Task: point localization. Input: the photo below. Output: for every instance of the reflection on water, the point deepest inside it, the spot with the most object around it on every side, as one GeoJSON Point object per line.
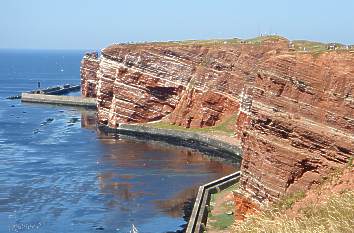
{"type": "Point", "coordinates": [59, 174]}
{"type": "Point", "coordinates": [175, 206]}
{"type": "Point", "coordinates": [167, 177]}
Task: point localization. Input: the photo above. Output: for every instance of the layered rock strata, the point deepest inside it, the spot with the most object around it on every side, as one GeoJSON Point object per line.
{"type": "Point", "coordinates": [191, 85]}
{"type": "Point", "coordinates": [295, 109]}
{"type": "Point", "coordinates": [88, 72]}
{"type": "Point", "coordinates": [300, 123]}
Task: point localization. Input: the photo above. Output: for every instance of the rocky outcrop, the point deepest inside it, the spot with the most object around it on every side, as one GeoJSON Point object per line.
{"type": "Point", "coordinates": [295, 109]}
{"type": "Point", "coordinates": [243, 206]}
{"type": "Point", "coordinates": [300, 122]}
{"type": "Point", "coordinates": [88, 71]}
{"type": "Point", "coordinates": [199, 109]}
{"type": "Point", "coordinates": [190, 85]}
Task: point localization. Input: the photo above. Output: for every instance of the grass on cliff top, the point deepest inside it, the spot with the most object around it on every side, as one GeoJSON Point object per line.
{"type": "Point", "coordinates": [256, 40]}
{"type": "Point", "coordinates": [252, 41]}
{"type": "Point", "coordinates": [314, 47]}
{"type": "Point", "coordinates": [304, 46]}
{"type": "Point", "coordinates": [223, 128]}
{"type": "Point", "coordinates": [261, 39]}
{"type": "Point", "coordinates": [309, 46]}
{"type": "Point", "coordinates": [334, 216]}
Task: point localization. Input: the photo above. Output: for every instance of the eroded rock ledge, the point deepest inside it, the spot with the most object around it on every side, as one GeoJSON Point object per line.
{"type": "Point", "coordinates": [295, 109]}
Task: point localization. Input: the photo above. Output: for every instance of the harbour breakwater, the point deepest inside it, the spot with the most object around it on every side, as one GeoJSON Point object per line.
{"type": "Point", "coordinates": [61, 100]}
{"type": "Point", "coordinates": [57, 90]}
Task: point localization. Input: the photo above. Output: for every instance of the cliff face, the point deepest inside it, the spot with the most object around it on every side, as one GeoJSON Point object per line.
{"type": "Point", "coordinates": [88, 72]}
{"type": "Point", "coordinates": [295, 110]}
{"type": "Point", "coordinates": [300, 123]}
{"type": "Point", "coordinates": [191, 85]}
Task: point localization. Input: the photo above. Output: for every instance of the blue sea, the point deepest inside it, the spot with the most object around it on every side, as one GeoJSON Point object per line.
{"type": "Point", "coordinates": [58, 173]}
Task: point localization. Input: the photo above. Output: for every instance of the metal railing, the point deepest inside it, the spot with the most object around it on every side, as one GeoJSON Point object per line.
{"type": "Point", "coordinates": [198, 219]}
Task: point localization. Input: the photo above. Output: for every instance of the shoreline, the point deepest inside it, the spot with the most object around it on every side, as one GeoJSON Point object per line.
{"type": "Point", "coordinates": [203, 143]}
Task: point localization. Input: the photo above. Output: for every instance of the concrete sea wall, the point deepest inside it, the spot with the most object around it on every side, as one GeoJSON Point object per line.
{"type": "Point", "coordinates": [197, 141]}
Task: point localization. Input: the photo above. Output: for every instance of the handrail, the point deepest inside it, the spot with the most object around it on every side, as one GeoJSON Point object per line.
{"type": "Point", "coordinates": [197, 221]}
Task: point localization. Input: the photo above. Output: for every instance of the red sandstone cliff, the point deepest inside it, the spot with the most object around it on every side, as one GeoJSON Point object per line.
{"type": "Point", "coordinates": [88, 72]}
{"type": "Point", "coordinates": [193, 85]}
{"type": "Point", "coordinates": [301, 122]}
{"type": "Point", "coordinates": [296, 109]}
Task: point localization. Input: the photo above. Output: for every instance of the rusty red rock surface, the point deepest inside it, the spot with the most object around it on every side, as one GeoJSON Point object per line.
{"type": "Point", "coordinates": [295, 109]}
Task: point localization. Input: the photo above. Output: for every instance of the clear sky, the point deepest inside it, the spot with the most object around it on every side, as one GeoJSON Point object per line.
{"type": "Point", "coordinates": [91, 24]}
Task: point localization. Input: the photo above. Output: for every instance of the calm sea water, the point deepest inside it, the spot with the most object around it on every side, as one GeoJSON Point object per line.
{"type": "Point", "coordinates": [59, 174]}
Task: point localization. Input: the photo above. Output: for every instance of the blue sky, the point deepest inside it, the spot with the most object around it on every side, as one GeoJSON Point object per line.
{"type": "Point", "coordinates": [91, 24]}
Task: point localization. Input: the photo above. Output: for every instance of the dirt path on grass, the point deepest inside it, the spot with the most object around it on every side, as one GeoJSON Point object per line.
{"type": "Point", "coordinates": [221, 216]}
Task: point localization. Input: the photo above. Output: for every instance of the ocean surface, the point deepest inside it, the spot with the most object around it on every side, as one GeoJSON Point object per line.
{"type": "Point", "coordinates": [59, 174]}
